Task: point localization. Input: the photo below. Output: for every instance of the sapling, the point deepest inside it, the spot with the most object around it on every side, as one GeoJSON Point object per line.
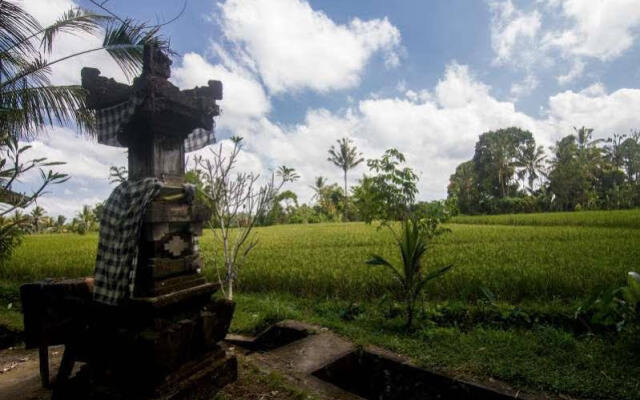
{"type": "Point", "coordinates": [237, 201]}
{"type": "Point", "coordinates": [412, 240]}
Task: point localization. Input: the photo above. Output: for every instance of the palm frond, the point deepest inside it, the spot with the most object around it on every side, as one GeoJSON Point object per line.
{"type": "Point", "coordinates": [73, 21]}
{"type": "Point", "coordinates": [33, 73]}
{"type": "Point", "coordinates": [125, 43]}
{"type": "Point", "coordinates": [378, 260]}
{"type": "Point", "coordinates": [16, 27]}
{"type": "Point", "coordinates": [34, 107]}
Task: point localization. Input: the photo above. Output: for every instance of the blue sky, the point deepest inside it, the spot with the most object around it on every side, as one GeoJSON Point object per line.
{"type": "Point", "coordinates": [426, 77]}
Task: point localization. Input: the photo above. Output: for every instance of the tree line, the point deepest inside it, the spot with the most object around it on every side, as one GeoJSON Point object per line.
{"type": "Point", "coordinates": [510, 173]}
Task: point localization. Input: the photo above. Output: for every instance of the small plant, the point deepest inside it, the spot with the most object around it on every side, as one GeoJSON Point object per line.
{"type": "Point", "coordinates": [619, 307]}
{"type": "Point", "coordinates": [413, 242]}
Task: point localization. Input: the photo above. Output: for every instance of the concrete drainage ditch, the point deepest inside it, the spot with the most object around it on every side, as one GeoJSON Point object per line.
{"type": "Point", "coordinates": [334, 368]}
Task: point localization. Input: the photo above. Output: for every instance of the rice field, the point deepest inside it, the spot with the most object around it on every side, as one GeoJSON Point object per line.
{"type": "Point", "coordinates": [560, 257]}
{"type": "Point", "coordinates": [541, 263]}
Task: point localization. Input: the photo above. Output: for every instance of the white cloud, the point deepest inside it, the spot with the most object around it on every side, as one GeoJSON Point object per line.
{"type": "Point", "coordinates": [294, 47]}
{"type": "Point", "coordinates": [511, 29]}
{"type": "Point", "coordinates": [524, 87]}
{"type": "Point", "coordinates": [83, 157]}
{"type": "Point", "coordinates": [563, 33]}
{"type": "Point", "coordinates": [575, 72]}
{"type": "Point", "coordinates": [435, 132]}
{"type": "Point", "coordinates": [244, 98]}
{"type": "Point", "coordinates": [598, 29]}
{"type": "Point", "coordinates": [593, 107]}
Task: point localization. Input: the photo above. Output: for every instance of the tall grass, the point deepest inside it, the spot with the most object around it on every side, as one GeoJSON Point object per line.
{"type": "Point", "coordinates": [613, 219]}
{"type": "Point", "coordinates": [517, 263]}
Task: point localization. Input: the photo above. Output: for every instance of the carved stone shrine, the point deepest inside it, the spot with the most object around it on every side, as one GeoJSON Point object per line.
{"type": "Point", "coordinates": [162, 341]}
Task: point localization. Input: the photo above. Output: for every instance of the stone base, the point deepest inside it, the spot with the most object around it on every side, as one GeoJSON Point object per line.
{"type": "Point", "coordinates": [195, 380]}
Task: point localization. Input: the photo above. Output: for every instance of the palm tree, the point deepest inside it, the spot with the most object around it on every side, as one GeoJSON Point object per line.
{"type": "Point", "coordinates": [85, 219]}
{"type": "Point", "coordinates": [589, 154]}
{"type": "Point", "coordinates": [287, 174]}
{"type": "Point", "coordinates": [318, 186]}
{"type": "Point", "coordinates": [59, 224]}
{"type": "Point", "coordinates": [531, 160]}
{"type": "Point", "coordinates": [37, 215]}
{"type": "Point", "coordinates": [346, 157]}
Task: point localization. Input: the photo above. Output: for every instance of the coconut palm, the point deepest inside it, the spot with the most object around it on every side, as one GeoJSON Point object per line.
{"type": "Point", "coordinates": [531, 161]}
{"type": "Point", "coordinates": [346, 157]}
{"type": "Point", "coordinates": [85, 219]}
{"type": "Point", "coordinates": [318, 186]}
{"type": "Point", "coordinates": [58, 225]}
{"type": "Point", "coordinates": [37, 217]}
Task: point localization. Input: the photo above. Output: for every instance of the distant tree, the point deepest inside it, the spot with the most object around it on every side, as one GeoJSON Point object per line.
{"type": "Point", "coordinates": [37, 217]}
{"type": "Point", "coordinates": [463, 188]}
{"type": "Point", "coordinates": [58, 225]}
{"type": "Point", "coordinates": [496, 157]}
{"type": "Point", "coordinates": [318, 185]}
{"type": "Point", "coordinates": [346, 157]}
{"type": "Point", "coordinates": [531, 163]}
{"type": "Point", "coordinates": [98, 210]}
{"type": "Point", "coordinates": [389, 192]}
{"type": "Point", "coordinates": [569, 180]}
{"type": "Point", "coordinates": [629, 151]}
{"type": "Point", "coordinates": [84, 221]}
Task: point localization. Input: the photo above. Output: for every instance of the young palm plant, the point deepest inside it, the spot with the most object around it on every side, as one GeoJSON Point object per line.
{"type": "Point", "coordinates": [412, 241]}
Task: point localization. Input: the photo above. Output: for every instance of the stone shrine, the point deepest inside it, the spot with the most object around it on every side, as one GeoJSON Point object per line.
{"type": "Point", "coordinates": [161, 342]}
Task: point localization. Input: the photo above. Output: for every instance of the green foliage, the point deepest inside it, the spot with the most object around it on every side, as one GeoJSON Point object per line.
{"type": "Point", "coordinates": [496, 158]}
{"type": "Point", "coordinates": [438, 210]}
{"type": "Point", "coordinates": [389, 192]}
{"type": "Point", "coordinates": [12, 167]}
{"type": "Point", "coordinates": [412, 242]}
{"type": "Point", "coordinates": [582, 174]}
{"type": "Point", "coordinates": [618, 307]}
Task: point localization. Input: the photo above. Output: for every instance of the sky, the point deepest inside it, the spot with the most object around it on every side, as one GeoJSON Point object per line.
{"type": "Point", "coordinates": [425, 77]}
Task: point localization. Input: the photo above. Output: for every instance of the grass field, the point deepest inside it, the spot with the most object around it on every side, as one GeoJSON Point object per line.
{"type": "Point", "coordinates": [541, 266]}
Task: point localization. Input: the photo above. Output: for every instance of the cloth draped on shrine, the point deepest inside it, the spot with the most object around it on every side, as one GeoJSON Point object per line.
{"type": "Point", "coordinates": [120, 226]}
{"type": "Point", "coordinates": [109, 121]}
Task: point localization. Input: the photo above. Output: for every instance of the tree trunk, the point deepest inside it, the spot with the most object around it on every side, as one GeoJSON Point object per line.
{"type": "Point", "coordinates": [409, 315]}
{"type": "Point", "coordinates": [346, 199]}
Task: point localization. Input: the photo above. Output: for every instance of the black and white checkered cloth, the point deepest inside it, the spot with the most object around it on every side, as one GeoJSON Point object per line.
{"type": "Point", "coordinates": [109, 121]}
{"type": "Point", "coordinates": [118, 244]}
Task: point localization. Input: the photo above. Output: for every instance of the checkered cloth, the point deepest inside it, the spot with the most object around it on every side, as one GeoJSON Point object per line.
{"type": "Point", "coordinates": [118, 244]}
{"type": "Point", "coordinates": [109, 121]}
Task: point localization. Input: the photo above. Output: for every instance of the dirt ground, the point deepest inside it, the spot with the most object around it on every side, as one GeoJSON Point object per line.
{"type": "Point", "coordinates": [20, 379]}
